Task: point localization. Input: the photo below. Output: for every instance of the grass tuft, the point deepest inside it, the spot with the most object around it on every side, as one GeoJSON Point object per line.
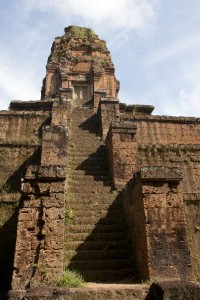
{"type": "Point", "coordinates": [70, 278]}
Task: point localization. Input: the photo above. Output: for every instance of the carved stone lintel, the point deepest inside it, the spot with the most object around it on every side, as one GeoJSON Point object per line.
{"type": "Point", "coordinates": [51, 68]}
{"type": "Point", "coordinates": [125, 128]}
{"type": "Point", "coordinates": [161, 174]}
{"type": "Point", "coordinates": [46, 172]}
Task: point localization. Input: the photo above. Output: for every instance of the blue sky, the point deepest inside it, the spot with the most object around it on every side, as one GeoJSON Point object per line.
{"type": "Point", "coordinates": [155, 46]}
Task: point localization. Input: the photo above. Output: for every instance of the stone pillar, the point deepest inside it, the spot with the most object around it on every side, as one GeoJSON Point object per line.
{"type": "Point", "coordinates": [66, 93]}
{"type": "Point", "coordinates": [61, 111]}
{"type": "Point", "coordinates": [54, 145]}
{"type": "Point", "coordinates": [51, 84]}
{"type": "Point", "coordinates": [108, 112]}
{"type": "Point", "coordinates": [40, 231]}
{"type": "Point", "coordinates": [98, 95]}
{"type": "Point", "coordinates": [155, 214]}
{"type": "Point", "coordinates": [122, 152]}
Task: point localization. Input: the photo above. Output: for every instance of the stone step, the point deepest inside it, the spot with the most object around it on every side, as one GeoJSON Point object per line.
{"type": "Point", "coordinates": [85, 123]}
{"type": "Point", "coordinates": [89, 131]}
{"type": "Point", "coordinates": [92, 144]}
{"type": "Point", "coordinates": [108, 276]}
{"type": "Point", "coordinates": [97, 255]}
{"type": "Point", "coordinates": [87, 212]}
{"type": "Point", "coordinates": [108, 264]}
{"type": "Point", "coordinates": [88, 165]}
{"type": "Point", "coordinates": [78, 132]}
{"type": "Point", "coordinates": [92, 159]}
{"type": "Point", "coordinates": [90, 172]}
{"type": "Point", "coordinates": [92, 188]}
{"type": "Point", "coordinates": [77, 206]}
{"type": "Point", "coordinates": [88, 149]}
{"type": "Point", "coordinates": [87, 202]}
{"type": "Point", "coordinates": [107, 220]}
{"type": "Point", "coordinates": [98, 228]}
{"type": "Point", "coordinates": [87, 182]}
{"type": "Point", "coordinates": [90, 182]}
{"type": "Point", "coordinates": [83, 156]}
{"type": "Point", "coordinates": [89, 178]}
{"type": "Point", "coordinates": [86, 111]}
{"type": "Point", "coordinates": [85, 145]}
{"type": "Point", "coordinates": [92, 132]}
{"type": "Point", "coordinates": [108, 236]}
{"type": "Point", "coordinates": [96, 245]}
{"type": "Point", "coordinates": [85, 117]}
{"type": "Point", "coordinates": [82, 153]}
{"type": "Point", "coordinates": [84, 198]}
{"type": "Point", "coordinates": [82, 136]}
{"type": "Point", "coordinates": [118, 290]}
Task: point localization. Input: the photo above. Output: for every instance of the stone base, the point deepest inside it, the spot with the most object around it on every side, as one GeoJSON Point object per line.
{"type": "Point", "coordinates": [16, 295]}
{"type": "Point", "coordinates": [91, 291]}
{"type": "Point", "coordinates": [174, 290]}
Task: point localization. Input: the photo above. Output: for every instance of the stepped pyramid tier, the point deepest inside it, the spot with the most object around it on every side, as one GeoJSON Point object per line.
{"type": "Point", "coordinates": [94, 185]}
{"type": "Point", "coordinates": [97, 241]}
{"type": "Point", "coordinates": [81, 63]}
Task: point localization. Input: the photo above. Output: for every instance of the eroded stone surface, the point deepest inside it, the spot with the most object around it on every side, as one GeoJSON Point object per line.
{"type": "Point", "coordinates": [161, 201]}
{"type": "Point", "coordinates": [80, 61]}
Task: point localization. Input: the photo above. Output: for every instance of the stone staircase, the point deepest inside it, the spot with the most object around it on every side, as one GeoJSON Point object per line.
{"type": "Point", "coordinates": [97, 243]}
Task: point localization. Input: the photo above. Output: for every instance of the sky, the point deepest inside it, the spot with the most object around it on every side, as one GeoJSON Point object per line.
{"type": "Point", "coordinates": [154, 44]}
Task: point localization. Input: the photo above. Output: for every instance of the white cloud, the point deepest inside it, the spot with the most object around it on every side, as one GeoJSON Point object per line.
{"type": "Point", "coordinates": [171, 50]}
{"type": "Point", "coordinates": [107, 14]}
{"type": "Point", "coordinates": [189, 101]}
{"type": "Point", "coordinates": [14, 84]}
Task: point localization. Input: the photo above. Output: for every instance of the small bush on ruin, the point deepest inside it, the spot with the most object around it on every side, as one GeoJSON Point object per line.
{"type": "Point", "coordinates": [70, 278]}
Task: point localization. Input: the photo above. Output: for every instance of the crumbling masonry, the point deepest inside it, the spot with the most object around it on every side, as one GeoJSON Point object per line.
{"type": "Point", "coordinates": [92, 184]}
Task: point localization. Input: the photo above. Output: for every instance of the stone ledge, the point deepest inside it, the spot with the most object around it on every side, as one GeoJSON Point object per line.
{"type": "Point", "coordinates": [31, 105]}
{"type": "Point", "coordinates": [19, 145]}
{"type": "Point", "coordinates": [163, 119]}
{"type": "Point", "coordinates": [187, 197]}
{"type": "Point", "coordinates": [109, 101]}
{"type": "Point", "coordinates": [125, 127]}
{"type": "Point", "coordinates": [90, 292]}
{"type": "Point", "coordinates": [174, 289]}
{"type": "Point", "coordinates": [171, 147]}
{"type": "Point", "coordinates": [101, 92]}
{"type": "Point", "coordinates": [55, 129]}
{"type": "Point", "coordinates": [10, 197]}
{"type": "Point", "coordinates": [46, 173]}
{"type": "Point", "coordinates": [24, 114]}
{"type": "Point", "coordinates": [16, 295]}
{"type": "Point", "coordinates": [136, 108]}
{"type": "Point", "coordinates": [161, 174]}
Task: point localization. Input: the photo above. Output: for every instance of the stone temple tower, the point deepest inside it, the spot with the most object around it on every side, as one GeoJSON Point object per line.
{"type": "Point", "coordinates": [94, 185]}
{"type": "Point", "coordinates": [80, 64]}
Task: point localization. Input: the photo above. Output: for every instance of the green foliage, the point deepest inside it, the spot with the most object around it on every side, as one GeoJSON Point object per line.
{"type": "Point", "coordinates": [78, 31]}
{"type": "Point", "coordinates": [70, 278]}
{"type": "Point", "coordinates": [6, 189]}
{"type": "Point", "coordinates": [115, 192]}
{"type": "Point", "coordinates": [69, 214]}
{"type": "Point", "coordinates": [82, 32]}
{"type": "Point", "coordinates": [35, 266]}
{"type": "Point", "coordinates": [92, 34]}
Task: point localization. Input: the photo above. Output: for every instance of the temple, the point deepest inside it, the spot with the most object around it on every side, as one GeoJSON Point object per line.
{"type": "Point", "coordinates": [94, 185]}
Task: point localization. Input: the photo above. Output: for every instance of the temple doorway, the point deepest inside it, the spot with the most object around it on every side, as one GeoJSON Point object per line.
{"type": "Point", "coordinates": [81, 93]}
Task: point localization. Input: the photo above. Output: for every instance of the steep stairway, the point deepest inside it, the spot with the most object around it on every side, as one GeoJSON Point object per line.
{"type": "Point", "coordinates": [97, 243]}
